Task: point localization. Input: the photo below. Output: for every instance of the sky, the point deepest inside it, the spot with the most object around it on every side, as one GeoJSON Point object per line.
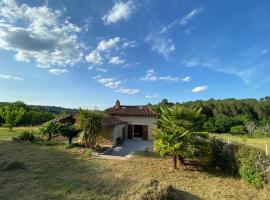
{"type": "Point", "coordinates": [90, 53]}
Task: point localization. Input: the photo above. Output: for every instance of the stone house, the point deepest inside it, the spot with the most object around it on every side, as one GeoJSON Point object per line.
{"type": "Point", "coordinates": [131, 122]}
{"type": "Point", "coordinates": [123, 122]}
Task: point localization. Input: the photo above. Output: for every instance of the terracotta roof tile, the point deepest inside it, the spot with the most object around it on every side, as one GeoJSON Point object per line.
{"type": "Point", "coordinates": [111, 121]}
{"type": "Point", "coordinates": [131, 111]}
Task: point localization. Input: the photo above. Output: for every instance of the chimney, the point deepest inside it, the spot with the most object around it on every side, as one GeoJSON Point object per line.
{"type": "Point", "coordinates": [117, 104]}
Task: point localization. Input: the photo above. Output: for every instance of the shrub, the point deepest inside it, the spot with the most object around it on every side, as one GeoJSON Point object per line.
{"type": "Point", "coordinates": [50, 129]}
{"type": "Point", "coordinates": [249, 166]}
{"type": "Point", "coordinates": [25, 136]}
{"type": "Point", "coordinates": [250, 163]}
{"type": "Point", "coordinates": [224, 156]}
{"type": "Point", "coordinates": [88, 152]}
{"type": "Point", "coordinates": [69, 131]}
{"type": "Point", "coordinates": [238, 130]}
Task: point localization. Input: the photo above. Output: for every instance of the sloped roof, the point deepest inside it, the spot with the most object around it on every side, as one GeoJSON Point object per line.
{"type": "Point", "coordinates": [122, 110]}
{"type": "Point", "coordinates": [111, 121]}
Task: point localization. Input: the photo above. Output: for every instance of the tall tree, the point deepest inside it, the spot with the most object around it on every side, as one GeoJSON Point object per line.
{"type": "Point", "coordinates": [12, 115]}
{"type": "Point", "coordinates": [176, 135]}
{"type": "Point", "coordinates": [90, 123]}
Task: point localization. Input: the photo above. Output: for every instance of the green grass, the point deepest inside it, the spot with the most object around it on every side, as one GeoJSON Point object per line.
{"type": "Point", "coordinates": [5, 134]}
{"type": "Point", "coordinates": [258, 142]}
{"type": "Point", "coordinates": [54, 172]}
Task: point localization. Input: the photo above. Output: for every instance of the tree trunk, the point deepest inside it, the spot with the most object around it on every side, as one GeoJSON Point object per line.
{"type": "Point", "coordinates": [174, 162]}
{"type": "Point", "coordinates": [181, 160]}
{"type": "Point", "coordinates": [49, 136]}
{"type": "Point", "coordinates": [10, 128]}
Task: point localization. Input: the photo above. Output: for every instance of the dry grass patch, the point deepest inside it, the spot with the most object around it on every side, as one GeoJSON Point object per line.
{"type": "Point", "coordinates": [53, 172]}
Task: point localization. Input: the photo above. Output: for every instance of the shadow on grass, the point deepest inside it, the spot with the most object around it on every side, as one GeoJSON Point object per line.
{"type": "Point", "coordinates": [51, 172]}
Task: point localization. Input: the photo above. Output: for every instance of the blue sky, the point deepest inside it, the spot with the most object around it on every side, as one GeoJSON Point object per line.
{"type": "Point", "coordinates": [90, 53]}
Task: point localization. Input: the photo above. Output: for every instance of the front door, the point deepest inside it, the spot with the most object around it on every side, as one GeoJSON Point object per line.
{"type": "Point", "coordinates": [145, 133]}
{"type": "Point", "coordinates": [130, 131]}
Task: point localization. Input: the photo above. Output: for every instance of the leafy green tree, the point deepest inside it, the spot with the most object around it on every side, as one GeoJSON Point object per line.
{"type": "Point", "coordinates": [68, 130]}
{"type": "Point", "coordinates": [50, 129]}
{"type": "Point", "coordinates": [176, 135]}
{"type": "Point", "coordinates": [90, 123]}
{"type": "Point", "coordinates": [12, 115]}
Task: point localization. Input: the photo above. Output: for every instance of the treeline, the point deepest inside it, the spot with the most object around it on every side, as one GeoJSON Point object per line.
{"type": "Point", "coordinates": [229, 115]}
{"type": "Point", "coordinates": [36, 114]}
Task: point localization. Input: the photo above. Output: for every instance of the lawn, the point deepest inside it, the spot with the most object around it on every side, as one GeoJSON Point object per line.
{"type": "Point", "coordinates": [54, 172]}
{"type": "Point", "coordinates": [258, 142]}
{"type": "Point", "coordinates": [5, 134]}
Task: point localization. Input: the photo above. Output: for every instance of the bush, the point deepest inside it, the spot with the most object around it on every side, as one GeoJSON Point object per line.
{"type": "Point", "coordinates": [250, 168]}
{"type": "Point", "coordinates": [238, 130]}
{"type": "Point", "coordinates": [68, 130]}
{"type": "Point", "coordinates": [250, 163]}
{"type": "Point", "coordinates": [224, 156]}
{"type": "Point", "coordinates": [25, 136]}
{"type": "Point", "coordinates": [88, 152]}
{"type": "Point", "coordinates": [50, 129]}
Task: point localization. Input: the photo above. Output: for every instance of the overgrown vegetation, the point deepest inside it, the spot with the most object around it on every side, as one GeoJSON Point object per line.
{"type": "Point", "coordinates": [250, 163]}
{"type": "Point", "coordinates": [221, 115]}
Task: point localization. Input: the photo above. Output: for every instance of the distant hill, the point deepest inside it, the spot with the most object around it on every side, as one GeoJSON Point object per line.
{"type": "Point", "coordinates": [55, 110]}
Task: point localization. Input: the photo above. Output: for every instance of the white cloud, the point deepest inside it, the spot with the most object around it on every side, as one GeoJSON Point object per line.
{"type": "Point", "coordinates": [39, 34]}
{"type": "Point", "coordinates": [161, 44]}
{"type": "Point", "coordinates": [191, 63]}
{"type": "Point", "coordinates": [200, 88]}
{"type": "Point", "coordinates": [265, 51]}
{"type": "Point", "coordinates": [110, 82]}
{"type": "Point", "coordinates": [116, 60]}
{"type": "Point", "coordinates": [104, 51]}
{"type": "Point", "coordinates": [120, 11]}
{"type": "Point", "coordinates": [130, 44]}
{"type": "Point", "coordinates": [94, 58]}
{"type": "Point", "coordinates": [151, 96]}
{"type": "Point", "coordinates": [108, 44]}
{"type": "Point", "coordinates": [187, 18]}
{"type": "Point", "coordinates": [100, 69]}
{"type": "Point", "coordinates": [128, 91]}
{"type": "Point", "coordinates": [6, 76]}
{"type": "Point", "coordinates": [151, 76]}
{"type": "Point", "coordinates": [186, 79]}
{"type": "Point", "coordinates": [168, 78]}
{"type": "Point", "coordinates": [58, 71]}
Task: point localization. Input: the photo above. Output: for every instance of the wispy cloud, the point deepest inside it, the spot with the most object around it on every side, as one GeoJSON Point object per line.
{"type": "Point", "coordinates": [186, 79]}
{"type": "Point", "coordinates": [128, 91]}
{"type": "Point", "coordinates": [58, 71]}
{"type": "Point", "coordinates": [153, 96]}
{"type": "Point", "coordinates": [105, 50]}
{"type": "Point", "coordinates": [116, 60]}
{"type": "Point", "coordinates": [160, 44]}
{"type": "Point", "coordinates": [43, 37]}
{"type": "Point", "coordinates": [152, 76]}
{"type": "Point", "coordinates": [116, 85]}
{"type": "Point", "coordinates": [199, 88]}
{"type": "Point", "coordinates": [110, 82]}
{"type": "Point", "coordinates": [6, 76]}
{"type": "Point", "coordinates": [188, 17]}
{"type": "Point", "coordinates": [120, 11]}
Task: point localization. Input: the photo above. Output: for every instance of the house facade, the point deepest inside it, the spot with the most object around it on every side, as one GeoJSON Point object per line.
{"type": "Point", "coordinates": [138, 121]}
{"type": "Point", "coordinates": [123, 122]}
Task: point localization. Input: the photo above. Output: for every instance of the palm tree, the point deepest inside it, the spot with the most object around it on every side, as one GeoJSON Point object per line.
{"type": "Point", "coordinates": [176, 135]}
{"type": "Point", "coordinates": [90, 123]}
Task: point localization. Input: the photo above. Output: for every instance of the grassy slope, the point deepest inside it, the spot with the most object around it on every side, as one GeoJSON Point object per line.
{"type": "Point", "coordinates": [257, 142]}
{"type": "Point", "coordinates": [53, 172]}
{"type": "Point", "coordinates": [5, 134]}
